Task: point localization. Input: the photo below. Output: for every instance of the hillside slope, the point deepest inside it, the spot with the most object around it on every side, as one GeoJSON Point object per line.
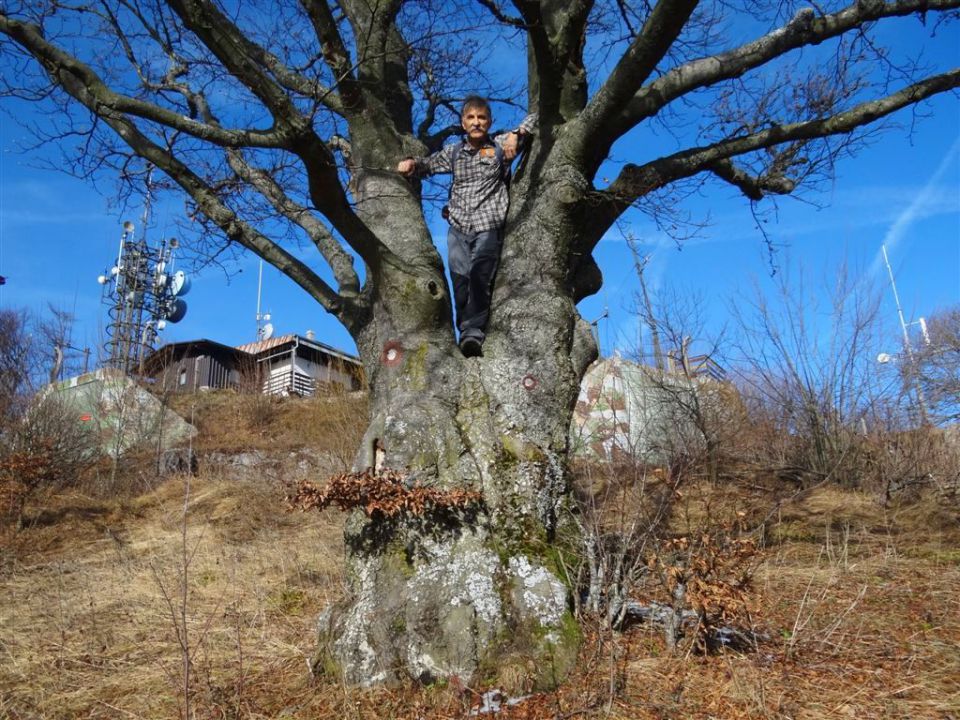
{"type": "Point", "coordinates": [856, 606]}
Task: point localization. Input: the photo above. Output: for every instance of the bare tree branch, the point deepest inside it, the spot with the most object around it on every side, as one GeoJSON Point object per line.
{"type": "Point", "coordinates": [804, 29]}
{"type": "Point", "coordinates": [232, 226]}
{"type": "Point", "coordinates": [241, 57]}
{"type": "Point", "coordinates": [68, 70]}
{"type": "Point", "coordinates": [663, 26]}
{"type": "Point", "coordinates": [634, 181]}
{"type": "Point", "coordinates": [500, 15]}
{"type": "Point", "coordinates": [340, 262]}
{"type": "Point", "coordinates": [334, 50]}
{"type": "Point", "coordinates": [753, 187]}
{"type": "Point", "coordinates": [85, 87]}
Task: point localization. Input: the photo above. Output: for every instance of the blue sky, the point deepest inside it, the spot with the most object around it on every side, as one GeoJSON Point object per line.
{"type": "Point", "coordinates": [903, 192]}
{"type": "Point", "coordinates": [57, 234]}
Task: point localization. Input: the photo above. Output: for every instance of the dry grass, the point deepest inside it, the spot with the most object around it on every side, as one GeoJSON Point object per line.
{"type": "Point", "coordinates": [858, 606]}
{"type": "Point", "coordinates": [232, 422]}
{"type": "Point", "coordinates": [87, 629]}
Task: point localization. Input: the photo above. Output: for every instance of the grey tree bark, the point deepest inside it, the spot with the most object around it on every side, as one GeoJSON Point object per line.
{"type": "Point", "coordinates": [286, 119]}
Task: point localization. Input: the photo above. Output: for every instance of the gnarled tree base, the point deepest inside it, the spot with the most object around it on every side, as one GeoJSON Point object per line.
{"type": "Point", "coordinates": [434, 599]}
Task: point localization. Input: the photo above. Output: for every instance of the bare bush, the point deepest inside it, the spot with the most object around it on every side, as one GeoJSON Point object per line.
{"type": "Point", "coordinates": [938, 365]}
{"type": "Point", "coordinates": [698, 411]}
{"type": "Point", "coordinates": [645, 557]}
{"type": "Point", "coordinates": [805, 368]}
{"type": "Point", "coordinates": [620, 511]}
{"type": "Point", "coordinates": [48, 447]}
{"type": "Point", "coordinates": [18, 363]}
{"type": "Point", "coordinates": [900, 464]}
{"type": "Point", "coordinates": [42, 443]}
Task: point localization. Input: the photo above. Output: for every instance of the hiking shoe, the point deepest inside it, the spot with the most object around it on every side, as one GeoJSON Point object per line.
{"type": "Point", "coordinates": [471, 347]}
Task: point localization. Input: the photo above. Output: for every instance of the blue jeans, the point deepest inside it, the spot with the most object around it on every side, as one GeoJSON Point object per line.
{"type": "Point", "coordinates": [473, 261]}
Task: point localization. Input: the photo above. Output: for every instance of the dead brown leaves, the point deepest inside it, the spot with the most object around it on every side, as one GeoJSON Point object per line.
{"type": "Point", "coordinates": [21, 473]}
{"type": "Point", "coordinates": [387, 493]}
{"type": "Point", "coordinates": [715, 569]}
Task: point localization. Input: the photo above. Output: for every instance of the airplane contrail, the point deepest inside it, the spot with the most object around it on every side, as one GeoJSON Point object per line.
{"type": "Point", "coordinates": [898, 229]}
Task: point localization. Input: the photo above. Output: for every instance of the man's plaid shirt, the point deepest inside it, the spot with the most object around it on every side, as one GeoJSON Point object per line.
{"type": "Point", "coordinates": [478, 194]}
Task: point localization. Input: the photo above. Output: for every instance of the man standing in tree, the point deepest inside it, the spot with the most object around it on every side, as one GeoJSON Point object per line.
{"type": "Point", "coordinates": [477, 211]}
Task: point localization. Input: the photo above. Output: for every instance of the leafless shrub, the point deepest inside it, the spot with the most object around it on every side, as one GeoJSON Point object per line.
{"type": "Point", "coordinates": [18, 363]}
{"type": "Point", "coordinates": [620, 511]}
{"type": "Point", "coordinates": [938, 365]}
{"type": "Point", "coordinates": [644, 557]}
{"type": "Point", "coordinates": [819, 407]}
{"type": "Point", "coordinates": [43, 444]}
{"type": "Point", "coordinates": [698, 412]}
{"type": "Point", "coordinates": [48, 447]}
{"type": "Point", "coordinates": [258, 409]}
{"type": "Point", "coordinates": [805, 367]}
{"type": "Point", "coordinates": [901, 464]}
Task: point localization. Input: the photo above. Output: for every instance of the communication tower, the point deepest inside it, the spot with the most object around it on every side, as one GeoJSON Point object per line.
{"type": "Point", "coordinates": [143, 293]}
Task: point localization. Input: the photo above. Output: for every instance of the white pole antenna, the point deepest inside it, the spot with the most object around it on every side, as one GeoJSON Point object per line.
{"type": "Point", "coordinates": [921, 402]}
{"type": "Point", "coordinates": [147, 200]}
{"type": "Point", "coordinates": [259, 288]}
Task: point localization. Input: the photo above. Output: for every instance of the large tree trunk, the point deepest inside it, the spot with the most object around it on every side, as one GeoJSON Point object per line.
{"type": "Point", "coordinates": [483, 593]}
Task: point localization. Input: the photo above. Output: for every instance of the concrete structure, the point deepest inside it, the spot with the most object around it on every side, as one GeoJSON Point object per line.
{"type": "Point", "coordinates": [121, 414]}
{"type": "Point", "coordinates": [626, 410]}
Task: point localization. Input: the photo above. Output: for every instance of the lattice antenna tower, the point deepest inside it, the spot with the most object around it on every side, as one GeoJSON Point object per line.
{"type": "Point", "coordinates": [142, 292]}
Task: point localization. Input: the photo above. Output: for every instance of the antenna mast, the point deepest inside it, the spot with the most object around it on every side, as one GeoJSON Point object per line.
{"type": "Point", "coordinates": [908, 349]}
{"type": "Point", "coordinates": [264, 332]}
{"type": "Point", "coordinates": [141, 293]}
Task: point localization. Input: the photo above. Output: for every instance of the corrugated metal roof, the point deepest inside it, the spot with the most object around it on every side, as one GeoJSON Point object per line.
{"type": "Point", "coordinates": [263, 345]}
{"type": "Point", "coordinates": [255, 348]}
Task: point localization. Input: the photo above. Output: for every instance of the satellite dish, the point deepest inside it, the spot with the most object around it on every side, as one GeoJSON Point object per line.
{"type": "Point", "coordinates": [128, 226]}
{"type": "Point", "coordinates": [174, 243]}
{"type": "Point", "coordinates": [179, 283]}
{"type": "Point", "coordinates": [178, 308]}
{"type": "Point", "coordinates": [102, 279]}
{"type": "Point", "coordinates": [267, 331]}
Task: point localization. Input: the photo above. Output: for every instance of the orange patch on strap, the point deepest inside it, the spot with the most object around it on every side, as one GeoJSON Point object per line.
{"type": "Point", "coordinates": [488, 152]}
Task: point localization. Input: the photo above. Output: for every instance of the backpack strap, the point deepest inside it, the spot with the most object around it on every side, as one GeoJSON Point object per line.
{"type": "Point", "coordinates": [504, 166]}
{"type": "Point", "coordinates": [454, 156]}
